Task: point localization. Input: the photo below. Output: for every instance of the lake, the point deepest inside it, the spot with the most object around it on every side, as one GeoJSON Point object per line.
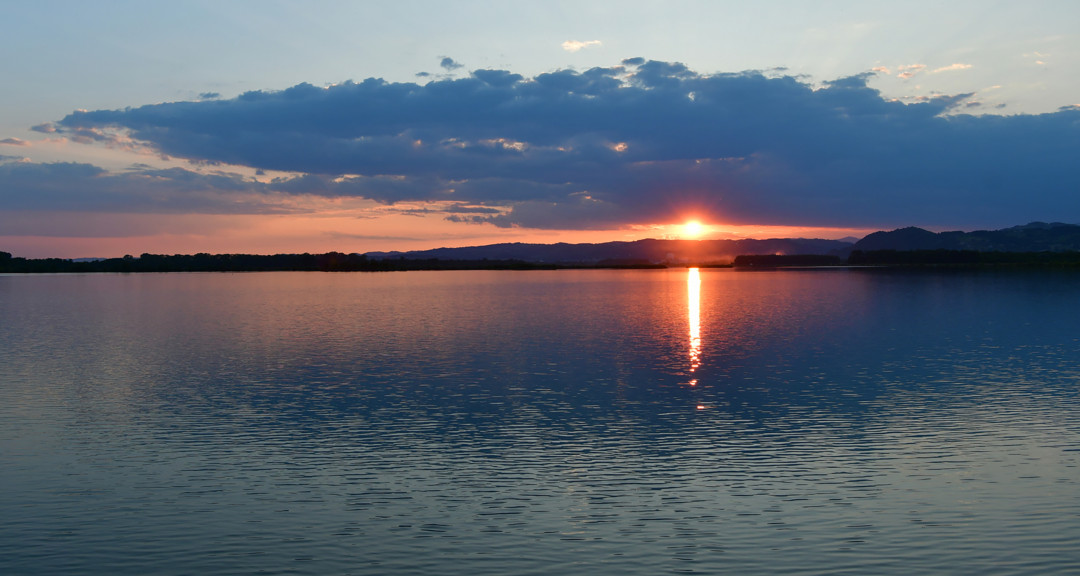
{"type": "Point", "coordinates": [541, 422]}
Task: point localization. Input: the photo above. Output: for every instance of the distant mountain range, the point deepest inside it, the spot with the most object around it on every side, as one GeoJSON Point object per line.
{"type": "Point", "coordinates": [637, 252]}
{"type": "Point", "coordinates": [1034, 244]}
{"type": "Point", "coordinates": [1033, 237]}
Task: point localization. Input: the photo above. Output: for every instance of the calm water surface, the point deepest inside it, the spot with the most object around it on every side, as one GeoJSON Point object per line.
{"type": "Point", "coordinates": [562, 422]}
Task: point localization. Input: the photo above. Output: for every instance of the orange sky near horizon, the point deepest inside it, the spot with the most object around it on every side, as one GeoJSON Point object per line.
{"type": "Point", "coordinates": [347, 231]}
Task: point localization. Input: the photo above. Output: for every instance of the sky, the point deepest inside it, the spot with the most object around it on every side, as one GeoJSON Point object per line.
{"type": "Point", "coordinates": [269, 127]}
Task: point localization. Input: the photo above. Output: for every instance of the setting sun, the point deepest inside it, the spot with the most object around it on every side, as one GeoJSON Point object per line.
{"type": "Point", "coordinates": [692, 229]}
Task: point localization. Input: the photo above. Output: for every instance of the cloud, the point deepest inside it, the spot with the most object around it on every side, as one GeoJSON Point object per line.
{"type": "Point", "coordinates": [643, 142]}
{"type": "Point", "coordinates": [466, 209]}
{"type": "Point", "coordinates": [909, 70]}
{"type": "Point", "coordinates": [453, 209]}
{"type": "Point", "coordinates": [79, 187]}
{"type": "Point", "coordinates": [14, 142]}
{"type": "Point", "coordinates": [449, 64]}
{"type": "Point", "coordinates": [576, 45]}
{"type": "Point", "coordinates": [209, 95]}
{"type": "Point", "coordinates": [1038, 58]}
{"type": "Point", "coordinates": [951, 68]}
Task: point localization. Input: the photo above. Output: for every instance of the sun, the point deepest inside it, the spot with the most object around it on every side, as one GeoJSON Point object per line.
{"type": "Point", "coordinates": [692, 229]}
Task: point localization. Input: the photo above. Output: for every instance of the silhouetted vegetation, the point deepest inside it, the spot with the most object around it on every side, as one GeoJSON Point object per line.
{"type": "Point", "coordinates": [340, 262]}
{"type": "Point", "coordinates": [329, 262]}
{"type": "Point", "coordinates": [627, 263]}
{"type": "Point", "coordinates": [962, 258]}
{"type": "Point", "coordinates": [914, 258]}
{"type": "Point", "coordinates": [786, 260]}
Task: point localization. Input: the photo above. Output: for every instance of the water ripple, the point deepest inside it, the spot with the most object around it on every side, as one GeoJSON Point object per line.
{"type": "Point", "coordinates": [548, 422]}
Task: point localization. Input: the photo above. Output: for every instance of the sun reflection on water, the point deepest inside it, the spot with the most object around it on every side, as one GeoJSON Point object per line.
{"type": "Point", "coordinates": [693, 290]}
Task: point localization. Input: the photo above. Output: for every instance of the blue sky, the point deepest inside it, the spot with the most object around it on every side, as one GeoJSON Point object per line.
{"type": "Point", "coordinates": [288, 126]}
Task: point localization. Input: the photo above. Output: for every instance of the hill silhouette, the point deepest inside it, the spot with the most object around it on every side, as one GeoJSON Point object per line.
{"type": "Point", "coordinates": [1034, 244]}
{"type": "Point", "coordinates": [1032, 237]}
{"type": "Point", "coordinates": [651, 251]}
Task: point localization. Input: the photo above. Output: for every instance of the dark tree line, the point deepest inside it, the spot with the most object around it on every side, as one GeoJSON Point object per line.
{"type": "Point", "coordinates": [203, 262]}
{"type": "Point", "coordinates": [961, 258]}
{"type": "Point", "coordinates": [786, 260]}
{"type": "Point", "coordinates": [914, 258]}
{"type": "Point", "coordinates": [340, 262]}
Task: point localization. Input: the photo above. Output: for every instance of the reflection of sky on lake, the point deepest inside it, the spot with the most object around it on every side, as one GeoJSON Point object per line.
{"type": "Point", "coordinates": [516, 422]}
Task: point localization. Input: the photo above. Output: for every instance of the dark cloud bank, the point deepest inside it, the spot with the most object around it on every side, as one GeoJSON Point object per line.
{"type": "Point", "coordinates": [70, 186]}
{"type": "Point", "coordinates": [643, 142]}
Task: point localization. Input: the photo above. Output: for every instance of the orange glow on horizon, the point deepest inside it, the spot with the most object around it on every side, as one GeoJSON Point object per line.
{"type": "Point", "coordinates": [317, 225]}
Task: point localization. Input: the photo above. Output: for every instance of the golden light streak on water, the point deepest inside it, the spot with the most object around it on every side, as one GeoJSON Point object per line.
{"type": "Point", "coordinates": [693, 289]}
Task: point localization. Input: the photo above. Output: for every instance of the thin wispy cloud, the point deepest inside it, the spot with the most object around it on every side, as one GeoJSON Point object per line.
{"type": "Point", "coordinates": [951, 68]}
{"type": "Point", "coordinates": [909, 70]}
{"type": "Point", "coordinates": [576, 45]}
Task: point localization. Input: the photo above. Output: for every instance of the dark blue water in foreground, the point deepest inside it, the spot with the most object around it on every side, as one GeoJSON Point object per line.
{"type": "Point", "coordinates": [564, 422]}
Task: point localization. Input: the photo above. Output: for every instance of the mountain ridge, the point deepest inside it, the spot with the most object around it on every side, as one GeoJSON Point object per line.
{"type": "Point", "coordinates": [653, 251]}
{"type": "Point", "coordinates": [1030, 237]}
{"type": "Point", "coordinates": [1032, 242]}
